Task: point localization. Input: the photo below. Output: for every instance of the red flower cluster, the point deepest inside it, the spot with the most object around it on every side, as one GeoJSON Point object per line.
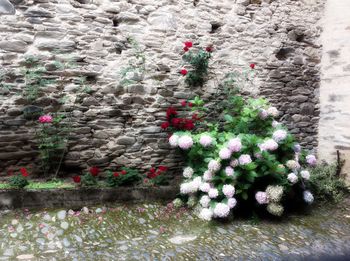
{"type": "Point", "coordinates": [156, 172]}
{"type": "Point", "coordinates": [76, 179]}
{"type": "Point", "coordinates": [179, 123]}
{"type": "Point", "coordinates": [117, 174]}
{"type": "Point", "coordinates": [187, 46]}
{"type": "Point", "coordinates": [24, 172]}
{"type": "Point", "coordinates": [94, 171]}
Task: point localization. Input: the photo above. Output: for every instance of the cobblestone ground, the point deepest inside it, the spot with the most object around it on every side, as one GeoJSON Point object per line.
{"type": "Point", "coordinates": [157, 232]}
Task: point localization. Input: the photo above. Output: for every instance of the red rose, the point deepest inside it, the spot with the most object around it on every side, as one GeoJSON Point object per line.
{"type": "Point", "coordinates": [189, 125]}
{"type": "Point", "coordinates": [188, 44]}
{"type": "Point", "coordinates": [176, 122]}
{"type": "Point", "coordinates": [170, 112]}
{"type": "Point", "coordinates": [116, 174]}
{"type": "Point", "coordinates": [190, 104]}
{"type": "Point", "coordinates": [183, 72]}
{"type": "Point", "coordinates": [24, 172]}
{"type": "Point", "coordinates": [151, 175]}
{"type": "Point", "coordinates": [186, 49]}
{"type": "Point", "coordinates": [183, 103]}
{"type": "Point", "coordinates": [94, 171]}
{"type": "Point", "coordinates": [76, 179]}
{"type": "Point", "coordinates": [195, 117]}
{"type": "Point", "coordinates": [162, 168]}
{"type": "Point", "coordinates": [123, 172]}
{"type": "Point", "coordinates": [252, 65]}
{"type": "Point", "coordinates": [209, 49]}
{"type": "Point", "coordinates": [164, 125]}
{"type": "Point", "coordinates": [152, 170]}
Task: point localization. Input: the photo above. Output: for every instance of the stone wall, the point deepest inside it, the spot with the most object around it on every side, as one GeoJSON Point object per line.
{"type": "Point", "coordinates": [335, 89]}
{"type": "Point", "coordinates": [118, 124]}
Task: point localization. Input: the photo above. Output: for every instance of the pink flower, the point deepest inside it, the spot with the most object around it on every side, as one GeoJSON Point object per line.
{"type": "Point", "coordinates": [205, 140]}
{"type": "Point", "coordinates": [228, 190]}
{"type": "Point", "coordinates": [244, 159]}
{"type": "Point", "coordinates": [225, 153]}
{"type": "Point", "coordinates": [229, 171]}
{"type": "Point", "coordinates": [311, 160]}
{"type": "Point", "coordinates": [261, 197]}
{"type": "Point", "coordinates": [185, 142]}
{"type": "Point", "coordinates": [45, 119]}
{"type": "Point", "coordinates": [235, 144]}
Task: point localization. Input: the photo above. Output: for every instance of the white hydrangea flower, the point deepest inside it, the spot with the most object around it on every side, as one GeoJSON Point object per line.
{"type": "Point", "coordinates": [214, 166]}
{"type": "Point", "coordinates": [269, 145]}
{"type": "Point", "coordinates": [188, 172]}
{"type": "Point", "coordinates": [185, 188]}
{"type": "Point", "coordinates": [292, 178]}
{"type": "Point", "coordinates": [235, 144]}
{"type": "Point", "coordinates": [273, 111]}
{"type": "Point", "coordinates": [185, 142]}
{"type": "Point", "coordinates": [275, 124]}
{"type": "Point", "coordinates": [308, 197]}
{"type": "Point", "coordinates": [213, 193]}
{"type": "Point", "coordinates": [192, 201]}
{"type": "Point", "coordinates": [174, 140]}
{"type": "Point", "coordinates": [177, 203]}
{"type": "Point", "coordinates": [205, 140]}
{"type": "Point", "coordinates": [228, 190]}
{"type": "Point", "coordinates": [305, 174]}
{"type": "Point", "coordinates": [224, 153]}
{"type": "Point", "coordinates": [231, 202]}
{"type": "Point", "coordinates": [197, 181]}
{"type": "Point", "coordinates": [292, 164]}
{"type": "Point", "coordinates": [275, 209]}
{"type": "Point", "coordinates": [279, 135]}
{"type": "Point", "coordinates": [204, 187]}
{"type": "Point", "coordinates": [221, 210]}
{"type": "Point", "coordinates": [207, 176]}
{"type": "Point", "coordinates": [206, 214]}
{"type": "Point", "coordinates": [274, 193]}
{"type": "Point", "coordinates": [204, 201]}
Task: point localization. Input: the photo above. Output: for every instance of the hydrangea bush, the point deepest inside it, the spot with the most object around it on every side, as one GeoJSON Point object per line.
{"type": "Point", "coordinates": [246, 158]}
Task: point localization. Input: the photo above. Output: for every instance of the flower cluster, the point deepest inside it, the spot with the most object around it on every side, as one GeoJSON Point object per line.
{"type": "Point", "coordinates": [174, 122]}
{"type": "Point", "coordinates": [45, 119]}
{"type": "Point", "coordinates": [224, 165]}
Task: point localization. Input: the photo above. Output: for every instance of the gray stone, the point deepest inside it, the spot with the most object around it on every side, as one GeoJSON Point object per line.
{"type": "Point", "coordinates": [54, 45]}
{"type": "Point", "coordinates": [125, 140]}
{"type": "Point", "coordinates": [37, 12]}
{"type": "Point", "coordinates": [14, 46]}
{"type": "Point", "coordinates": [6, 8]}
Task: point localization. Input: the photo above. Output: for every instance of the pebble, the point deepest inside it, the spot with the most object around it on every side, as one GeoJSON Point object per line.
{"type": "Point", "coordinates": [61, 214]}
{"type": "Point", "coordinates": [25, 257]}
{"type": "Point", "coordinates": [64, 225]}
{"type": "Point", "coordinates": [181, 239]}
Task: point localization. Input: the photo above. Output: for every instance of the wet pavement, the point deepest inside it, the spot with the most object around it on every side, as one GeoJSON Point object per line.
{"type": "Point", "coordinates": [159, 232]}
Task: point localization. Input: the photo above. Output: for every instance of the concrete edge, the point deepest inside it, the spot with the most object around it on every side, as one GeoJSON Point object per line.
{"type": "Point", "coordinates": [77, 198]}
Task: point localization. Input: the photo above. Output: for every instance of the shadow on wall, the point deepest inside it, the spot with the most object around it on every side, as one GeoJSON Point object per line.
{"type": "Point", "coordinates": [6, 8]}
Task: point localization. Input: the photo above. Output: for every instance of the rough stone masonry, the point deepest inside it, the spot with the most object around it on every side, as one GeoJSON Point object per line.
{"type": "Point", "coordinates": [118, 124]}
